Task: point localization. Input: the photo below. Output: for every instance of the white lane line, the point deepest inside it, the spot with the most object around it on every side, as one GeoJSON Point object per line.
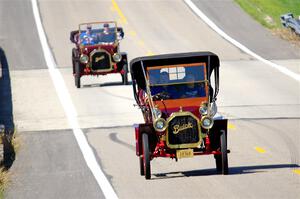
{"type": "Point", "coordinates": [239, 45]}
{"type": "Point", "coordinates": [70, 111]}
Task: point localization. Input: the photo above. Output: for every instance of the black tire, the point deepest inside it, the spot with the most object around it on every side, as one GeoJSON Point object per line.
{"type": "Point", "coordinates": [146, 156]}
{"type": "Point", "coordinates": [224, 157]}
{"type": "Point", "coordinates": [218, 159]}
{"type": "Point", "coordinates": [77, 74]}
{"type": "Point", "coordinates": [73, 59]}
{"type": "Point", "coordinates": [125, 75]}
{"type": "Point", "coordinates": [142, 170]}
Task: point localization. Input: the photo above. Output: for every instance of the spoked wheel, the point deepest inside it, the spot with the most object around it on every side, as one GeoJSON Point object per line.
{"type": "Point", "coordinates": [146, 157]}
{"type": "Point", "coordinates": [222, 160]}
{"type": "Point", "coordinates": [77, 74]}
{"type": "Point", "coordinates": [125, 75]}
{"type": "Point", "coordinates": [142, 171]}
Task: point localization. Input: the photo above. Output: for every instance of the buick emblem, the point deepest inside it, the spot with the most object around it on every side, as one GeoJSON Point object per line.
{"type": "Point", "coordinates": [97, 59]}
{"type": "Point", "coordinates": [177, 128]}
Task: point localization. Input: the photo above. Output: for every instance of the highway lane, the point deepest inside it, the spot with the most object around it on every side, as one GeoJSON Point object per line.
{"type": "Point", "coordinates": [252, 174]}
{"type": "Point", "coordinates": [18, 35]}
{"type": "Point", "coordinates": [249, 89]}
{"type": "Point", "coordinates": [40, 169]}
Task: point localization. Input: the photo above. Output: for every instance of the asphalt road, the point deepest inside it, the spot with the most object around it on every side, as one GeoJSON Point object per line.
{"type": "Point", "coordinates": [263, 106]}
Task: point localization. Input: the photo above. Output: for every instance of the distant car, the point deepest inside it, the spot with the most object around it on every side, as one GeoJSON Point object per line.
{"type": "Point", "coordinates": [97, 51]}
{"type": "Point", "coordinates": [178, 101]}
{"type": "Point", "coordinates": [290, 22]}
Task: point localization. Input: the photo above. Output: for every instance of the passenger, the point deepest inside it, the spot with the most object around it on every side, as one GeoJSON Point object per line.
{"type": "Point", "coordinates": [192, 88]}
{"type": "Point", "coordinates": [87, 38]}
{"type": "Point", "coordinates": [106, 36]}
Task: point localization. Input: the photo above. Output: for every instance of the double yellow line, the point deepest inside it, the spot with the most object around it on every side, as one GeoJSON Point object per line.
{"type": "Point", "coordinates": [123, 19]}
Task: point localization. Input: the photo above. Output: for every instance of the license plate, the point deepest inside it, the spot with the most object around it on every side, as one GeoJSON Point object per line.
{"type": "Point", "coordinates": [185, 153]}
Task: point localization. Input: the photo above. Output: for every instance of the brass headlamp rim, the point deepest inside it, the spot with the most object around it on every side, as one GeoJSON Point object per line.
{"type": "Point", "coordinates": [165, 126]}
{"type": "Point", "coordinates": [207, 117]}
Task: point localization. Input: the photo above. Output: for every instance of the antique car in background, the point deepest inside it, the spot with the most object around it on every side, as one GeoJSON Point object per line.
{"type": "Point", "coordinates": [97, 51]}
{"type": "Point", "coordinates": [178, 101]}
{"type": "Point", "coordinates": [290, 22]}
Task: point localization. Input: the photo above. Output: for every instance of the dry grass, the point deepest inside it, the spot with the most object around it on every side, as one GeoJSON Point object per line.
{"type": "Point", "coordinates": [288, 35]}
{"type": "Point", "coordinates": [4, 181]}
{"type": "Point", "coordinates": [4, 173]}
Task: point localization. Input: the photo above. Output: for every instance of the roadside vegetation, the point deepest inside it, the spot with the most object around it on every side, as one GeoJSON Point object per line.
{"type": "Point", "coordinates": [267, 12]}
{"type": "Point", "coordinates": [11, 146]}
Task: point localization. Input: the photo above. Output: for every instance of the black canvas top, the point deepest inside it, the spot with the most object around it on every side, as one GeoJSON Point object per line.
{"type": "Point", "coordinates": [211, 60]}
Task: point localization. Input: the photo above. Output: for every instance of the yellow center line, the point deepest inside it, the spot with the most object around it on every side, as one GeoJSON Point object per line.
{"type": "Point", "coordinates": [297, 171]}
{"type": "Point", "coordinates": [141, 43]}
{"type": "Point", "coordinates": [231, 126]}
{"type": "Point", "coordinates": [132, 33]}
{"type": "Point", "coordinates": [260, 150]}
{"type": "Point", "coordinates": [123, 21]}
{"type": "Point", "coordinates": [120, 13]}
{"type": "Point", "coordinates": [150, 53]}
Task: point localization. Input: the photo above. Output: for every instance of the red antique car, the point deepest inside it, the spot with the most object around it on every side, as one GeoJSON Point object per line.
{"type": "Point", "coordinates": [97, 51]}
{"type": "Point", "coordinates": [177, 99]}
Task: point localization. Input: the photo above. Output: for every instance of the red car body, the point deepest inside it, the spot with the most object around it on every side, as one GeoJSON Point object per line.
{"type": "Point", "coordinates": [179, 112]}
{"type": "Point", "coordinates": [101, 57]}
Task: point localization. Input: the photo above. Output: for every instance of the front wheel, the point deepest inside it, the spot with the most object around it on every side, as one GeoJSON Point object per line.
{"type": "Point", "coordinates": [125, 75]}
{"type": "Point", "coordinates": [77, 74]}
{"type": "Point", "coordinates": [146, 156]}
{"type": "Point", "coordinates": [142, 170]}
{"type": "Point", "coordinates": [224, 156]}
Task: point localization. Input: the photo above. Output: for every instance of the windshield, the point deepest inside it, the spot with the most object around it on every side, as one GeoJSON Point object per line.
{"type": "Point", "coordinates": [183, 81]}
{"type": "Point", "coordinates": [97, 33]}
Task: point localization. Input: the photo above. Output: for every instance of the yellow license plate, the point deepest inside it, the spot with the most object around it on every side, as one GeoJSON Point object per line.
{"type": "Point", "coordinates": [185, 153]}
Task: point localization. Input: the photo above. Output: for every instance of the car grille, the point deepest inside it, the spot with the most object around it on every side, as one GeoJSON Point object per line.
{"type": "Point", "coordinates": [183, 130]}
{"type": "Point", "coordinates": [100, 61]}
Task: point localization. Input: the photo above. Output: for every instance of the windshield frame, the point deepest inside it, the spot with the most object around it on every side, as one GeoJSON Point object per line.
{"type": "Point", "coordinates": [95, 24]}
{"type": "Point", "coordinates": [172, 84]}
{"type": "Point", "coordinates": [201, 64]}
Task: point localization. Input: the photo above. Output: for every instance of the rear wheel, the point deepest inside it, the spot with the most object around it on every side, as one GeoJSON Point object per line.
{"type": "Point", "coordinates": [224, 158]}
{"type": "Point", "coordinates": [146, 156]}
{"type": "Point", "coordinates": [77, 74]}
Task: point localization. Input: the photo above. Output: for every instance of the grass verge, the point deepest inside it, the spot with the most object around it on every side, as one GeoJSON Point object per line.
{"type": "Point", "coordinates": [267, 13]}
{"type": "Point", "coordinates": [4, 172]}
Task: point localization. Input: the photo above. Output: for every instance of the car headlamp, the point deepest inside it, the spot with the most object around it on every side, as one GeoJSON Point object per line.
{"type": "Point", "coordinates": [160, 125]}
{"type": "Point", "coordinates": [203, 109]}
{"type": "Point", "coordinates": [84, 59]}
{"type": "Point", "coordinates": [207, 122]}
{"type": "Point", "coordinates": [156, 113]}
{"type": "Point", "coordinates": [117, 57]}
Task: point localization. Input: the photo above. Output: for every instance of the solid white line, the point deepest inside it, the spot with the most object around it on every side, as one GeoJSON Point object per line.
{"type": "Point", "coordinates": [239, 45]}
{"type": "Point", "coordinates": [70, 111]}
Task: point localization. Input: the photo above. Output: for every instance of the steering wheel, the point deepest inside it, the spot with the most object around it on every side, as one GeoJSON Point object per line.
{"type": "Point", "coordinates": [161, 96]}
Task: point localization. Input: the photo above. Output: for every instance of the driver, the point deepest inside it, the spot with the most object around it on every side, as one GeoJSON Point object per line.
{"type": "Point", "coordinates": [87, 38]}
{"type": "Point", "coordinates": [164, 80]}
